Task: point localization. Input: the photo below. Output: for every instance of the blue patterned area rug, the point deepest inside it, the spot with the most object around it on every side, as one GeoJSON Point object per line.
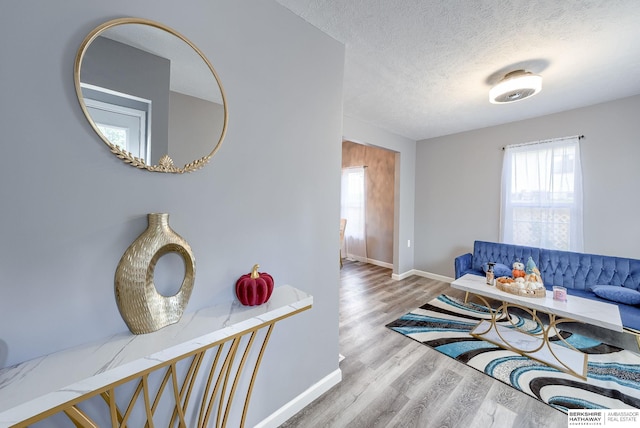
{"type": "Point", "coordinates": [613, 378]}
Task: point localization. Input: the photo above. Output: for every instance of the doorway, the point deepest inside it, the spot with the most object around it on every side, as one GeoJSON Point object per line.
{"type": "Point", "coordinates": [380, 198]}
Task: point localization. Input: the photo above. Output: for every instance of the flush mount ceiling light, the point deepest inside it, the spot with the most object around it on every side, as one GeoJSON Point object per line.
{"type": "Point", "coordinates": [515, 86]}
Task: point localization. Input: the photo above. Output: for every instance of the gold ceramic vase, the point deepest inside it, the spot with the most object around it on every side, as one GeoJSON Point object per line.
{"type": "Point", "coordinates": [142, 307]}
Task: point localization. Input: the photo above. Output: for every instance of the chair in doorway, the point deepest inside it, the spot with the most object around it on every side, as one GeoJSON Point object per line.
{"type": "Point", "coordinates": [343, 226]}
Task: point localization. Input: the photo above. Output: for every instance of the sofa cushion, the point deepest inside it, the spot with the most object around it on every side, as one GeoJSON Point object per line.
{"type": "Point", "coordinates": [617, 294]}
{"type": "Point", "coordinates": [499, 269]}
{"type": "Point", "coordinates": [629, 314]}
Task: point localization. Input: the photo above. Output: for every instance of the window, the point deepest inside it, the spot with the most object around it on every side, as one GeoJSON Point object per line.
{"type": "Point", "coordinates": [542, 195]}
{"type": "Point", "coordinates": [122, 118]}
{"type": "Point", "coordinates": [353, 208]}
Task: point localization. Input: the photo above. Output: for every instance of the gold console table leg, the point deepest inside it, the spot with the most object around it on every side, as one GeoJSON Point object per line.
{"type": "Point", "coordinates": [219, 382]}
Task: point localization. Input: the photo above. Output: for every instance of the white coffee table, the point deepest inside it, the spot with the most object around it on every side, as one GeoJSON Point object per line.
{"type": "Point", "coordinates": [538, 346]}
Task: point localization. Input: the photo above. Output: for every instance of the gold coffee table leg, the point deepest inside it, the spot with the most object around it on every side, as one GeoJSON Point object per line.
{"type": "Point", "coordinates": [486, 329]}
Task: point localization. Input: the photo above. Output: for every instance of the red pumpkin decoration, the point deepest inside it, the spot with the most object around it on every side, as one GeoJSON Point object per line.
{"type": "Point", "coordinates": [254, 288]}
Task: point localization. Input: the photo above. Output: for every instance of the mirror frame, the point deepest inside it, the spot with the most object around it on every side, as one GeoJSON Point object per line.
{"type": "Point", "coordinates": [165, 163]}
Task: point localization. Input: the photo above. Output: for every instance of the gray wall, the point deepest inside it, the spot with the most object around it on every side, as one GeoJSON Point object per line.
{"type": "Point", "coordinates": [195, 126]}
{"type": "Point", "coordinates": [458, 182]}
{"type": "Point", "coordinates": [70, 208]}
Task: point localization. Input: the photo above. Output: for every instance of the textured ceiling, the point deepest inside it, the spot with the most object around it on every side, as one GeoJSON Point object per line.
{"type": "Point", "coordinates": [423, 68]}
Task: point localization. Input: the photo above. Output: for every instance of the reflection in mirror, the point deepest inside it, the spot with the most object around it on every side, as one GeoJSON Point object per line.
{"type": "Point", "coordinates": [122, 119]}
{"type": "Point", "coordinates": [151, 95]}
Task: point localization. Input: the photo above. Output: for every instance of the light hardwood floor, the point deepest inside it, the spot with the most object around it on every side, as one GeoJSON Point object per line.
{"type": "Point", "coordinates": [389, 380]}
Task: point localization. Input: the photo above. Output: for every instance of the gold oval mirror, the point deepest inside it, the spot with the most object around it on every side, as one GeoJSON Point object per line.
{"type": "Point", "coordinates": [151, 95]}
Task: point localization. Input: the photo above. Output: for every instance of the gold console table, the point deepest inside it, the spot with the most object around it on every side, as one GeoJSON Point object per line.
{"type": "Point", "coordinates": [199, 372]}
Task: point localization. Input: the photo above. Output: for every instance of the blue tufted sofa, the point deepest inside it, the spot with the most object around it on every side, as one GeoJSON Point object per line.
{"type": "Point", "coordinates": [578, 272]}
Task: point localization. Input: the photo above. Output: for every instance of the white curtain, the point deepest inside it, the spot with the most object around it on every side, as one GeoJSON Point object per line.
{"type": "Point", "coordinates": [541, 198]}
{"type": "Point", "coordinates": [353, 208]}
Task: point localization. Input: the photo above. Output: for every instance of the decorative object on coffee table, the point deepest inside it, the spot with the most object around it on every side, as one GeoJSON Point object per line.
{"type": "Point", "coordinates": [521, 288]}
{"type": "Point", "coordinates": [559, 293]}
{"type": "Point", "coordinates": [254, 288]}
{"type": "Point", "coordinates": [526, 281]}
{"type": "Point", "coordinates": [491, 278]}
{"type": "Point", "coordinates": [142, 307]}
{"type": "Point", "coordinates": [518, 270]}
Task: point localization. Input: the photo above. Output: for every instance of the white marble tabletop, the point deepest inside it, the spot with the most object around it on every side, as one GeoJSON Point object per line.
{"type": "Point", "coordinates": [589, 311]}
{"type": "Point", "coordinates": [34, 386]}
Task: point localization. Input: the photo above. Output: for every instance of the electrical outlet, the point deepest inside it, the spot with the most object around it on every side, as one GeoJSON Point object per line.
{"type": "Point", "coordinates": [408, 243]}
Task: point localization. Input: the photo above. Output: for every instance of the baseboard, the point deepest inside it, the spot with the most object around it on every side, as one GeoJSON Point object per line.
{"type": "Point", "coordinates": [401, 276]}
{"type": "Point", "coordinates": [285, 412]}
{"type": "Point", "coordinates": [356, 258]}
{"type": "Point", "coordinates": [379, 263]}
{"type": "Point", "coordinates": [422, 274]}
{"type": "Point", "coordinates": [433, 276]}
{"type": "Point", "coordinates": [370, 261]}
